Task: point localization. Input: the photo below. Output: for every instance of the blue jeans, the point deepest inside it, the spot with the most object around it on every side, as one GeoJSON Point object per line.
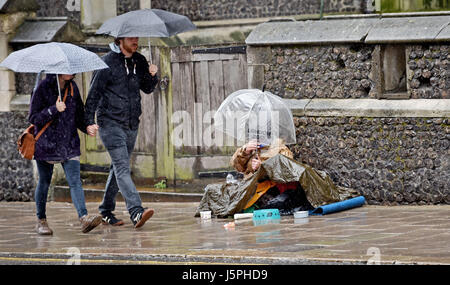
{"type": "Point", "coordinates": [119, 143]}
{"type": "Point", "coordinates": [72, 171]}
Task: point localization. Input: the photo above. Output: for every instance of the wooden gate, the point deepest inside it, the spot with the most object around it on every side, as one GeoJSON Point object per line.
{"type": "Point", "coordinates": [193, 83]}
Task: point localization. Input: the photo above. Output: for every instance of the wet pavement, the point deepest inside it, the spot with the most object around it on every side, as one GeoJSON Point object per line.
{"type": "Point", "coordinates": [368, 234]}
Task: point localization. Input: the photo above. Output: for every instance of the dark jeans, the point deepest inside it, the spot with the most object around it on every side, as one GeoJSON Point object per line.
{"type": "Point", "coordinates": [120, 143]}
{"type": "Point", "coordinates": [72, 171]}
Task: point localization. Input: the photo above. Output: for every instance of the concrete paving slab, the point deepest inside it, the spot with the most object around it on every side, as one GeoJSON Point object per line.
{"type": "Point", "coordinates": [311, 32]}
{"type": "Point", "coordinates": [407, 29]}
{"type": "Point", "coordinates": [396, 234]}
{"type": "Point", "coordinates": [375, 108]}
{"type": "Point", "coordinates": [444, 34]}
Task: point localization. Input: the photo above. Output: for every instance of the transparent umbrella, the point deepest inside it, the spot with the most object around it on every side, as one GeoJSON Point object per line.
{"type": "Point", "coordinates": [250, 114]}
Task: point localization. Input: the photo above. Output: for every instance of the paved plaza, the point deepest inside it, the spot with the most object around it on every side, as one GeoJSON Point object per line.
{"type": "Point", "coordinates": [364, 235]}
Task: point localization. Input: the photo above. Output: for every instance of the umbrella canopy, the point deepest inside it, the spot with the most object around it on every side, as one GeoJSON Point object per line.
{"type": "Point", "coordinates": [146, 23]}
{"type": "Point", "coordinates": [249, 114]}
{"type": "Point", "coordinates": [55, 58]}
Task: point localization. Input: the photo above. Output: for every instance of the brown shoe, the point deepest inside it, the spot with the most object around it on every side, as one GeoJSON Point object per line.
{"type": "Point", "coordinates": [140, 218]}
{"type": "Point", "coordinates": [88, 223]}
{"type": "Point", "coordinates": [42, 227]}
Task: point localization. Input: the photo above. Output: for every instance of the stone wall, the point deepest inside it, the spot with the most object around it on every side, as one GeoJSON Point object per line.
{"type": "Point", "coordinates": [350, 71]}
{"type": "Point", "coordinates": [388, 160]}
{"type": "Point", "coordinates": [321, 72]}
{"type": "Point", "coordinates": [25, 83]}
{"type": "Point", "coordinates": [429, 71]}
{"type": "Point", "coordinates": [72, 8]}
{"type": "Point", "coordinates": [124, 6]}
{"type": "Point", "coordinates": [16, 174]}
{"type": "Point", "coordinates": [207, 10]}
{"type": "Point", "coordinates": [60, 8]}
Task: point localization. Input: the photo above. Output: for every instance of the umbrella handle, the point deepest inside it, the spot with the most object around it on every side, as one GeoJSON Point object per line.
{"type": "Point", "coordinates": [150, 52]}
{"type": "Point", "coordinates": [36, 83]}
{"type": "Point", "coordinates": [59, 88]}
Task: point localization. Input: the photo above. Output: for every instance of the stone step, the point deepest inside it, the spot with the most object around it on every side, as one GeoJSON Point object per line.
{"type": "Point", "coordinates": [62, 194]}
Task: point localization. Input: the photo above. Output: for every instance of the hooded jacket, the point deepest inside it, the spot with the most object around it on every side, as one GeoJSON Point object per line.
{"type": "Point", "coordinates": [115, 91]}
{"type": "Point", "coordinates": [60, 140]}
{"type": "Point", "coordinates": [242, 161]}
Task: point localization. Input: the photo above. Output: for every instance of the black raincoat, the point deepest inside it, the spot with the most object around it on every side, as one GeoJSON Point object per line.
{"type": "Point", "coordinates": [114, 91]}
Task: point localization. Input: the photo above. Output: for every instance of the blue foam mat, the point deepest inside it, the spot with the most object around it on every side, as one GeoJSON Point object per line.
{"type": "Point", "coordinates": [339, 206]}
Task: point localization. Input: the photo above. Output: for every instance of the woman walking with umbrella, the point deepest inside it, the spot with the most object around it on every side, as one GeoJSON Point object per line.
{"type": "Point", "coordinates": [59, 143]}
{"type": "Point", "coordinates": [57, 119]}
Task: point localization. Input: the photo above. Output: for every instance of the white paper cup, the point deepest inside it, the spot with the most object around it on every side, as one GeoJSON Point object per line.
{"type": "Point", "coordinates": [205, 215]}
{"type": "Point", "coordinates": [243, 216]}
{"type": "Point", "coordinates": [301, 214]}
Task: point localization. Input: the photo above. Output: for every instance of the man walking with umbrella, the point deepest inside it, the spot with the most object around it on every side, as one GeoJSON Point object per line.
{"type": "Point", "coordinates": [115, 96]}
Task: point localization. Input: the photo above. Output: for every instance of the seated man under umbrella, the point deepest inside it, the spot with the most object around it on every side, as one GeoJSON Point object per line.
{"type": "Point", "coordinates": [287, 197]}
{"type": "Point", "coordinates": [272, 178]}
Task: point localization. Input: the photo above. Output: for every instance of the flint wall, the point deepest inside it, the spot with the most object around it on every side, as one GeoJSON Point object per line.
{"type": "Point", "coordinates": [349, 71]}
{"type": "Point", "coordinates": [388, 160]}
{"type": "Point", "coordinates": [16, 174]}
{"type": "Point", "coordinates": [391, 151]}
{"type": "Point", "coordinates": [207, 10]}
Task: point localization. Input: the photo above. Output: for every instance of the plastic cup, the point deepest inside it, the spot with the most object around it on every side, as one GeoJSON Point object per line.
{"type": "Point", "coordinates": [301, 214]}
{"type": "Point", "coordinates": [205, 215]}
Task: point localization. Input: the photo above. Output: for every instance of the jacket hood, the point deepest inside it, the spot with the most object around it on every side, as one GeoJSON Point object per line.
{"type": "Point", "coordinates": [115, 48]}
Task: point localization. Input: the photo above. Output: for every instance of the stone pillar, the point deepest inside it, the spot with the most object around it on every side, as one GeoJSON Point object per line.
{"type": "Point", "coordinates": [96, 12]}
{"type": "Point", "coordinates": [7, 83]}
{"type": "Point", "coordinates": [257, 61]}
{"type": "Point", "coordinates": [145, 4]}
{"type": "Point", "coordinates": [8, 25]}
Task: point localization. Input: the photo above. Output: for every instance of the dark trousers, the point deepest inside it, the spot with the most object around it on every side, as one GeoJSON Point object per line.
{"type": "Point", "coordinates": [119, 143]}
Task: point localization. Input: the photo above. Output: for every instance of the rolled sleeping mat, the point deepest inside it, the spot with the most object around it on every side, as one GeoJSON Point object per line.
{"type": "Point", "coordinates": [339, 206]}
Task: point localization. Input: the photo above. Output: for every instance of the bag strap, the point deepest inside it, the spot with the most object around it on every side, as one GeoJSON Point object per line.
{"type": "Point", "coordinates": [48, 124]}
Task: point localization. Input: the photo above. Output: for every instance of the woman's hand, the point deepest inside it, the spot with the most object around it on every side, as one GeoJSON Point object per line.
{"type": "Point", "coordinates": [60, 105]}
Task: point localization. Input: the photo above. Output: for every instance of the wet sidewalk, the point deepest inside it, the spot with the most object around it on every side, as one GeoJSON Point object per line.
{"type": "Point", "coordinates": [369, 234]}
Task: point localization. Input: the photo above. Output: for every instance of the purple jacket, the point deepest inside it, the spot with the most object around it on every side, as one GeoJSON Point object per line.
{"type": "Point", "coordinates": [60, 140]}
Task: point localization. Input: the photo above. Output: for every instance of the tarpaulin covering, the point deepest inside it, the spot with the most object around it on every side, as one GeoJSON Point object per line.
{"type": "Point", "coordinates": [227, 199]}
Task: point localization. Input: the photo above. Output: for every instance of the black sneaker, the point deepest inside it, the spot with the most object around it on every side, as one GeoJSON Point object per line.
{"type": "Point", "coordinates": [110, 219]}
{"type": "Point", "coordinates": [141, 217]}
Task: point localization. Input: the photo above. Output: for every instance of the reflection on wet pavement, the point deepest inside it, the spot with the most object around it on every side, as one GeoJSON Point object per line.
{"type": "Point", "coordinates": [402, 233]}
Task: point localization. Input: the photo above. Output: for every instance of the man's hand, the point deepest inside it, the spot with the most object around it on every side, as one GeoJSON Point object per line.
{"type": "Point", "coordinates": [60, 105]}
{"type": "Point", "coordinates": [251, 146]}
{"type": "Point", "coordinates": [256, 163]}
{"type": "Point", "coordinates": [153, 69]}
{"type": "Point", "coordinates": [92, 130]}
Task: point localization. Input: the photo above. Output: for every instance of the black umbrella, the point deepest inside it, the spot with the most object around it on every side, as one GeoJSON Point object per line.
{"type": "Point", "coordinates": [146, 23]}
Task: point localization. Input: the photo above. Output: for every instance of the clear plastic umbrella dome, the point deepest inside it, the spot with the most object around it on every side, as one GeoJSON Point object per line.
{"type": "Point", "coordinates": [250, 114]}
{"type": "Point", "coordinates": [54, 58]}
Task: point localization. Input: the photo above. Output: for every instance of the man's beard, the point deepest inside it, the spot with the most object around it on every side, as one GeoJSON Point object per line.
{"type": "Point", "coordinates": [130, 48]}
